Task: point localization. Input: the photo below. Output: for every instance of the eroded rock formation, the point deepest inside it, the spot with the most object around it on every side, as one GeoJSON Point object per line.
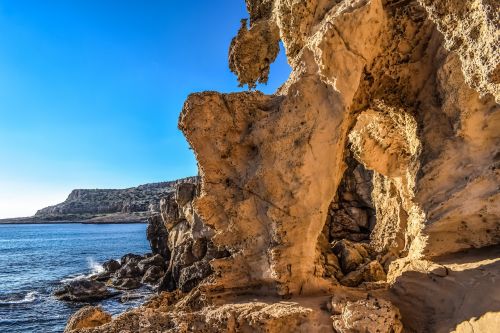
{"type": "Point", "coordinates": [376, 159]}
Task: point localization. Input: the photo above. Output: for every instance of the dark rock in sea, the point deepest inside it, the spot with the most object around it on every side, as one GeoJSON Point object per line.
{"type": "Point", "coordinates": [129, 270]}
{"type": "Point", "coordinates": [131, 258]}
{"type": "Point", "coordinates": [111, 266]}
{"type": "Point", "coordinates": [153, 275]}
{"type": "Point", "coordinates": [156, 260]}
{"type": "Point", "coordinates": [84, 290]}
{"type": "Point", "coordinates": [126, 283]}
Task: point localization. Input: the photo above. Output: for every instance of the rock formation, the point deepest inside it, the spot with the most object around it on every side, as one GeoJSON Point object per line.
{"type": "Point", "coordinates": [366, 175]}
{"type": "Point", "coordinates": [87, 317]}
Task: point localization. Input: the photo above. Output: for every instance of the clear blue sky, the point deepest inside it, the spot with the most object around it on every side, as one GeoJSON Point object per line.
{"type": "Point", "coordinates": [90, 91]}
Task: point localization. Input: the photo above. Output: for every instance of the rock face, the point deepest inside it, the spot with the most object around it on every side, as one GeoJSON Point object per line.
{"type": "Point", "coordinates": [87, 317]}
{"type": "Point", "coordinates": [110, 205]}
{"type": "Point", "coordinates": [376, 159]}
{"type": "Point", "coordinates": [370, 315]}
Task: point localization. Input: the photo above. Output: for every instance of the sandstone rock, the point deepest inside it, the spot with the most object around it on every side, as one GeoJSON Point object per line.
{"type": "Point", "coordinates": [353, 279]}
{"type": "Point", "coordinates": [367, 315]}
{"type": "Point", "coordinates": [253, 50]}
{"type": "Point", "coordinates": [370, 272]}
{"type": "Point", "coordinates": [129, 296]}
{"type": "Point", "coordinates": [87, 317]}
{"type": "Point", "coordinates": [185, 193]}
{"type": "Point", "coordinates": [355, 148]}
{"type": "Point", "coordinates": [83, 290]}
{"type": "Point", "coordinates": [373, 272]}
{"type": "Point", "coordinates": [349, 254]}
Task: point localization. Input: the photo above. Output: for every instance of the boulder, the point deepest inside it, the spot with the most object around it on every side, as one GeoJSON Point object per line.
{"type": "Point", "coordinates": [87, 317]}
{"type": "Point", "coordinates": [126, 283]}
{"type": "Point", "coordinates": [111, 266]}
{"type": "Point", "coordinates": [371, 315]}
{"type": "Point", "coordinates": [156, 260]}
{"type": "Point", "coordinates": [185, 193]}
{"type": "Point", "coordinates": [192, 275]}
{"type": "Point", "coordinates": [349, 254]}
{"type": "Point", "coordinates": [153, 275]}
{"type": "Point", "coordinates": [130, 258]}
{"type": "Point", "coordinates": [84, 290]}
{"type": "Point", "coordinates": [129, 270]}
{"type": "Point", "coordinates": [370, 272]}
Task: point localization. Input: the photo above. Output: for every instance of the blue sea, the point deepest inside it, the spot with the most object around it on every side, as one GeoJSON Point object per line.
{"type": "Point", "coordinates": [35, 258]}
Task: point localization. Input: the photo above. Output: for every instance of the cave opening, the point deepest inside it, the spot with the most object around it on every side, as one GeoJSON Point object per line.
{"type": "Point", "coordinates": [351, 214]}
{"type": "Point", "coordinates": [351, 218]}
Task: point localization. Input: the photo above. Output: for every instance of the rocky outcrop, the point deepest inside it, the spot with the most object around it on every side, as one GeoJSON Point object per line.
{"type": "Point", "coordinates": [87, 317]}
{"type": "Point", "coordinates": [189, 240]}
{"type": "Point", "coordinates": [371, 315]}
{"type": "Point", "coordinates": [131, 272]}
{"type": "Point", "coordinates": [84, 290]}
{"type": "Point", "coordinates": [110, 205]}
{"type": "Point", "coordinates": [376, 159]}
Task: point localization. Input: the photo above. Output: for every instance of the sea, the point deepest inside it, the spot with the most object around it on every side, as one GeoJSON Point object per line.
{"type": "Point", "coordinates": [36, 258]}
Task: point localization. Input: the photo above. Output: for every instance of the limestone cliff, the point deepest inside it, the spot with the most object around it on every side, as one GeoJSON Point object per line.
{"type": "Point", "coordinates": [365, 191]}
{"type": "Point", "coordinates": [107, 205]}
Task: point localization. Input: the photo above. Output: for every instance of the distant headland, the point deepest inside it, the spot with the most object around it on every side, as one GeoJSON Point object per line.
{"type": "Point", "coordinates": [130, 205]}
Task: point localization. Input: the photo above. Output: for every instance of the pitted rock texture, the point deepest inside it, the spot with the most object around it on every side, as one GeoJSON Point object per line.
{"type": "Point", "coordinates": [377, 158]}
{"type": "Point", "coordinates": [87, 317]}
{"type": "Point", "coordinates": [371, 315]}
{"type": "Point", "coordinates": [179, 235]}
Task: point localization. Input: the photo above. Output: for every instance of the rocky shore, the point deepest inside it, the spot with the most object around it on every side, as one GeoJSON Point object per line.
{"type": "Point", "coordinates": [363, 196]}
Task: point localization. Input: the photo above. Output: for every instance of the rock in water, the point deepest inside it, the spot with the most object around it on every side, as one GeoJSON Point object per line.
{"type": "Point", "coordinates": [84, 290]}
{"type": "Point", "coordinates": [153, 275]}
{"type": "Point", "coordinates": [126, 283]}
{"type": "Point", "coordinates": [111, 266]}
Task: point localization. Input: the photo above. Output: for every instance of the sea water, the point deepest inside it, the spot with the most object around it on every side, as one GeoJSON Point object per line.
{"type": "Point", "coordinates": [36, 258]}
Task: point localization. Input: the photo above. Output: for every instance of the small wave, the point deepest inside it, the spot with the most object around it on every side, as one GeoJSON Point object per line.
{"type": "Point", "coordinates": [30, 297]}
{"type": "Point", "coordinates": [95, 267]}
{"type": "Point", "coordinates": [74, 278]}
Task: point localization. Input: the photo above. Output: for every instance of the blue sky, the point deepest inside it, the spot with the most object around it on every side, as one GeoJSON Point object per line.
{"type": "Point", "coordinates": [90, 91]}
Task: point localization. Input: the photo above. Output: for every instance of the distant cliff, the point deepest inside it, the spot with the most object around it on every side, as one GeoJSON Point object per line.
{"type": "Point", "coordinates": [106, 205]}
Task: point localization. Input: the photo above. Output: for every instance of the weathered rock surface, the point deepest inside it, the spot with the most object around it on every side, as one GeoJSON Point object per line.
{"type": "Point", "coordinates": [365, 315]}
{"type": "Point", "coordinates": [376, 158]}
{"type": "Point", "coordinates": [87, 317]}
{"type": "Point", "coordinates": [84, 290]}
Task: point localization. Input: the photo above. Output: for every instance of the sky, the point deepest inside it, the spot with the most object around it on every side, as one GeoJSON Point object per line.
{"type": "Point", "coordinates": [91, 90]}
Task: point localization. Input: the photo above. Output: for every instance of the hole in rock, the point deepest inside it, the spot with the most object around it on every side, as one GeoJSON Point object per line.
{"type": "Point", "coordinates": [351, 218]}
